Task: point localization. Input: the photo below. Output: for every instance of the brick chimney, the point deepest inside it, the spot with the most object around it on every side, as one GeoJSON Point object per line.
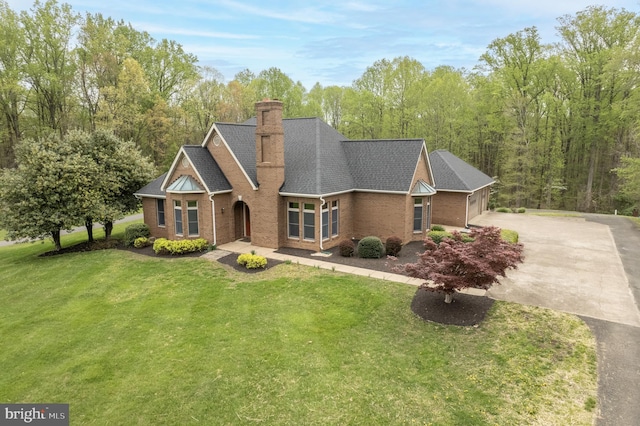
{"type": "Point", "coordinates": [267, 228]}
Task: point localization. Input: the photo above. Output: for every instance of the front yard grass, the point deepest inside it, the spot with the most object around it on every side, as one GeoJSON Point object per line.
{"type": "Point", "coordinates": [128, 339]}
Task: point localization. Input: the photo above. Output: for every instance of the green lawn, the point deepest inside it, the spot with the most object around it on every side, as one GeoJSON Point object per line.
{"type": "Point", "coordinates": [127, 339]}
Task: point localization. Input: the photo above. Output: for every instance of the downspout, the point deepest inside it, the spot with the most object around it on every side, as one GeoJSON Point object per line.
{"type": "Point", "coordinates": [213, 220]}
{"type": "Point", "coordinates": [322, 203]}
{"type": "Point", "coordinates": [466, 215]}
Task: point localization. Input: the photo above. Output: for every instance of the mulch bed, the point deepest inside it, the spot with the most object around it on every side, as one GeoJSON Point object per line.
{"type": "Point", "coordinates": [464, 310]}
{"type": "Point", "coordinates": [232, 260]}
{"type": "Point", "coordinates": [408, 254]}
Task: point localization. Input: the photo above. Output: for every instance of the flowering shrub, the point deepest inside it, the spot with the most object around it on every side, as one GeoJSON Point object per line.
{"type": "Point", "coordinates": [164, 246]}
{"type": "Point", "coordinates": [141, 242]}
{"type": "Point", "coordinates": [252, 261]}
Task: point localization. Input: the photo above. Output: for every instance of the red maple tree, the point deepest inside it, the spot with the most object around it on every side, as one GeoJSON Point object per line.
{"type": "Point", "coordinates": [454, 265]}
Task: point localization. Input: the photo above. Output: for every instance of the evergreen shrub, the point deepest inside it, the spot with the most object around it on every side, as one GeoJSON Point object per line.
{"type": "Point", "coordinates": [252, 261]}
{"type": "Point", "coordinates": [174, 247]}
{"type": "Point", "coordinates": [135, 230]}
{"type": "Point", "coordinates": [370, 248]}
{"type": "Point", "coordinates": [437, 228]}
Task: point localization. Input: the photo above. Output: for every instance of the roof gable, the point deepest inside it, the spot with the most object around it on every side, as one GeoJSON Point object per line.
{"type": "Point", "coordinates": [383, 165]}
{"type": "Point", "coordinates": [451, 173]}
{"type": "Point", "coordinates": [205, 167]}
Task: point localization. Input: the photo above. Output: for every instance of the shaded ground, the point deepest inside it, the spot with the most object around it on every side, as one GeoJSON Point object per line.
{"type": "Point", "coordinates": [465, 310]}
{"type": "Point", "coordinates": [232, 260]}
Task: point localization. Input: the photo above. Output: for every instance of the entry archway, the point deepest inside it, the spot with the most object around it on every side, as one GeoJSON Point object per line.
{"type": "Point", "coordinates": [242, 220]}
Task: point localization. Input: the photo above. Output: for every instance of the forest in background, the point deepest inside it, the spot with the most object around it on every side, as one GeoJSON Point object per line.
{"type": "Point", "coordinates": [551, 123]}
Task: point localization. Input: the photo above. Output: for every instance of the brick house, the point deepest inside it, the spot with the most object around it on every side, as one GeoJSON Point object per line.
{"type": "Point", "coordinates": [462, 190]}
{"type": "Point", "coordinates": [291, 183]}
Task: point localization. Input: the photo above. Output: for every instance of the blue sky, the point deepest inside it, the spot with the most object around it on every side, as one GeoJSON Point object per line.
{"type": "Point", "coordinates": [333, 42]}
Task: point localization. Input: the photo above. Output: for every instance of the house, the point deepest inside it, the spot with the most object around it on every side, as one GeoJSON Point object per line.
{"type": "Point", "coordinates": [462, 190]}
{"type": "Point", "coordinates": [291, 183]}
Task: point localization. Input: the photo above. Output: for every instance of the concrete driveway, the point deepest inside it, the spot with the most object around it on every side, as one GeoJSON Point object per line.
{"type": "Point", "coordinates": [575, 265]}
{"type": "Point", "coordinates": [571, 265]}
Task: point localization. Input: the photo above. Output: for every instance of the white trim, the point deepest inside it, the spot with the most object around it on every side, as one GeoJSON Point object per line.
{"type": "Point", "coordinates": [213, 220]}
{"type": "Point", "coordinates": [323, 202]}
{"type": "Point", "coordinates": [187, 192]}
{"type": "Point", "coordinates": [140, 195]}
{"type": "Point", "coordinates": [333, 194]}
{"type": "Point", "coordinates": [466, 191]}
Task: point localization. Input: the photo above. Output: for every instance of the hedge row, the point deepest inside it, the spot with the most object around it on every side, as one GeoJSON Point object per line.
{"type": "Point", "coordinates": [164, 246]}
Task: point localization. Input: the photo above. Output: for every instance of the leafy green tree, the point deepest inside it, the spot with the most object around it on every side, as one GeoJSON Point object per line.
{"type": "Point", "coordinates": [122, 170]}
{"type": "Point", "coordinates": [50, 190]}
{"type": "Point", "coordinates": [629, 174]}
{"type": "Point", "coordinates": [12, 93]}
{"type": "Point", "coordinates": [49, 65]}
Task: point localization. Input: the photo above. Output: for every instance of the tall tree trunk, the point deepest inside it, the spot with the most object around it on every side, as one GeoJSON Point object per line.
{"type": "Point", "coordinates": [108, 227]}
{"type": "Point", "coordinates": [56, 239]}
{"type": "Point", "coordinates": [88, 223]}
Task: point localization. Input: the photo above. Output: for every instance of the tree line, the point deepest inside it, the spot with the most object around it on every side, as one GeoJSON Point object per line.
{"type": "Point", "coordinates": [557, 125]}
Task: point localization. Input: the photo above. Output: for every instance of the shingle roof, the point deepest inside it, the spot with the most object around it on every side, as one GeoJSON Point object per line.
{"type": "Point", "coordinates": [320, 160]}
{"type": "Point", "coordinates": [212, 176]}
{"type": "Point", "coordinates": [383, 165]}
{"type": "Point", "coordinates": [451, 173]}
{"type": "Point", "coordinates": [152, 189]}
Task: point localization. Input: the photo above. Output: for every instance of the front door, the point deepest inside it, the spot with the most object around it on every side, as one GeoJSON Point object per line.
{"type": "Point", "coordinates": [247, 221]}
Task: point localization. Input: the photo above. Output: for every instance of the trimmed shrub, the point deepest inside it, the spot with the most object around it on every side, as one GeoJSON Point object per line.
{"type": "Point", "coordinates": [135, 230]}
{"type": "Point", "coordinates": [503, 210]}
{"type": "Point", "coordinates": [437, 228]}
{"type": "Point", "coordinates": [509, 236]}
{"type": "Point", "coordinates": [164, 246]}
{"type": "Point", "coordinates": [393, 245]}
{"type": "Point", "coordinates": [141, 242]}
{"type": "Point", "coordinates": [438, 236]}
{"type": "Point", "coordinates": [347, 247]}
{"type": "Point", "coordinates": [370, 248]}
{"type": "Point", "coordinates": [252, 261]}
{"type": "Point", "coordinates": [521, 210]}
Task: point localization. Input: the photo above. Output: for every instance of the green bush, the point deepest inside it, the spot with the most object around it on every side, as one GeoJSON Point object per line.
{"type": "Point", "coordinates": [164, 246]}
{"type": "Point", "coordinates": [393, 245]}
{"type": "Point", "coordinates": [252, 261]}
{"type": "Point", "coordinates": [521, 210]}
{"type": "Point", "coordinates": [347, 247]}
{"type": "Point", "coordinates": [133, 231]}
{"type": "Point", "coordinates": [509, 235]}
{"type": "Point", "coordinates": [503, 210]}
{"type": "Point", "coordinates": [141, 242]}
{"type": "Point", "coordinates": [437, 228]}
{"type": "Point", "coordinates": [370, 248]}
{"type": "Point", "coordinates": [438, 236]}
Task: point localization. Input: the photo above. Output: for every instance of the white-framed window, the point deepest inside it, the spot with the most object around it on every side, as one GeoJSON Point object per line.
{"type": "Point", "coordinates": [192, 217]}
{"type": "Point", "coordinates": [177, 215]}
{"type": "Point", "coordinates": [325, 221]}
{"type": "Point", "coordinates": [293, 218]}
{"type": "Point", "coordinates": [335, 218]}
{"type": "Point", "coordinates": [309, 221]}
{"type": "Point", "coordinates": [160, 211]}
{"type": "Point", "coordinates": [417, 215]}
